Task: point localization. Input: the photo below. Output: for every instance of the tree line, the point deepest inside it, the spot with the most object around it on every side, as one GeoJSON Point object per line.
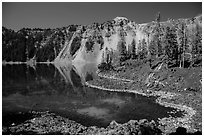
{"type": "Point", "coordinates": [39, 44]}
{"type": "Point", "coordinates": [178, 44]}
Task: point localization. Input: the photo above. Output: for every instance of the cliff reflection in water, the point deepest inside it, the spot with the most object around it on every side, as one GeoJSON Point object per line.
{"type": "Point", "coordinates": [61, 89]}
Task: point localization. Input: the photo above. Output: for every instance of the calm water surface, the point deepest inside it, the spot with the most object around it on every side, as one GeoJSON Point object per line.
{"type": "Point", "coordinates": [60, 89]}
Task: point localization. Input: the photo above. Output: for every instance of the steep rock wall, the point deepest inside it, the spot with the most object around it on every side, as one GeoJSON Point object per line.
{"type": "Point", "coordinates": [100, 41]}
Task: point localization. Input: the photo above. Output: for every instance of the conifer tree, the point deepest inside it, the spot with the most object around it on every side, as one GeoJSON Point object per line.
{"type": "Point", "coordinates": [158, 35]}
{"type": "Point", "coordinates": [196, 44]}
{"type": "Point", "coordinates": [122, 50]}
{"type": "Point", "coordinates": [171, 49]}
{"type": "Point", "coordinates": [133, 52]}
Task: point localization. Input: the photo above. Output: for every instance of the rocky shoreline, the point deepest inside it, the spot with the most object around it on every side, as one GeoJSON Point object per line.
{"type": "Point", "coordinates": [49, 123]}
{"type": "Point", "coordinates": [164, 98]}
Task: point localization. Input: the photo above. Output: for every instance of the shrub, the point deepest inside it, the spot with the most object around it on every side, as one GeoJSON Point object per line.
{"type": "Point", "coordinates": [89, 45]}
{"type": "Point", "coordinates": [76, 44]}
{"type": "Point", "coordinates": [73, 28]}
{"type": "Point", "coordinates": [105, 66]}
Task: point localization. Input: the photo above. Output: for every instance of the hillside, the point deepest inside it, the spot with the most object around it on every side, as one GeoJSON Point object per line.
{"type": "Point", "coordinates": [117, 39]}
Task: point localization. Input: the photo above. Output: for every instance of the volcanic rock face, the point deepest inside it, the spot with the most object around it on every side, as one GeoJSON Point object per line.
{"type": "Point", "coordinates": [100, 42]}
{"type": "Point", "coordinates": [93, 43]}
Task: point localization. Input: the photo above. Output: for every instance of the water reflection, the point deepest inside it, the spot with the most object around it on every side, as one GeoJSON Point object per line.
{"type": "Point", "coordinates": [60, 89]}
{"type": "Point", "coordinates": [114, 101]}
{"type": "Point", "coordinates": [94, 112]}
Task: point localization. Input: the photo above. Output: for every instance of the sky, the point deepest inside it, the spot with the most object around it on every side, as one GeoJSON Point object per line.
{"type": "Point", "coordinates": [18, 15]}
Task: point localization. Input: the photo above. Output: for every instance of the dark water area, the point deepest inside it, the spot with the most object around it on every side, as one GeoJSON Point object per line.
{"type": "Point", "coordinates": [60, 89]}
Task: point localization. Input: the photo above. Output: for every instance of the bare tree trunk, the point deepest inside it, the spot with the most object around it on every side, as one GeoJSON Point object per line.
{"type": "Point", "coordinates": [55, 52]}
{"type": "Point", "coordinates": [180, 57]}
{"type": "Point", "coordinates": [26, 45]}
{"type": "Point", "coordinates": [148, 45]}
{"type": "Point", "coordinates": [180, 65]}
{"type": "Point", "coordinates": [184, 45]}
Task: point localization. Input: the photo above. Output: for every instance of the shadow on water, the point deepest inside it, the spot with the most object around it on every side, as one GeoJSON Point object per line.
{"type": "Point", "coordinates": [60, 89]}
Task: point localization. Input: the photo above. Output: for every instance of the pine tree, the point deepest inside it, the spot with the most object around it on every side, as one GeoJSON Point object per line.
{"type": "Point", "coordinates": [180, 34]}
{"type": "Point", "coordinates": [171, 49]}
{"type": "Point", "coordinates": [133, 52]}
{"type": "Point", "coordinates": [143, 50]}
{"type": "Point", "coordinates": [122, 50]}
{"type": "Point", "coordinates": [158, 35]}
{"type": "Point", "coordinates": [196, 44]}
{"type": "Point", "coordinates": [152, 48]}
{"type": "Point", "coordinates": [147, 32]}
{"type": "Point", "coordinates": [184, 45]}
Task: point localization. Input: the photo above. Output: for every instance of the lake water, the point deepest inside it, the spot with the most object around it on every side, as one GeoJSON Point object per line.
{"type": "Point", "coordinates": [60, 89]}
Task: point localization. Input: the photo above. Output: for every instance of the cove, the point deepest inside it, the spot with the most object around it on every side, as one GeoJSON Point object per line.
{"type": "Point", "coordinates": [61, 90]}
